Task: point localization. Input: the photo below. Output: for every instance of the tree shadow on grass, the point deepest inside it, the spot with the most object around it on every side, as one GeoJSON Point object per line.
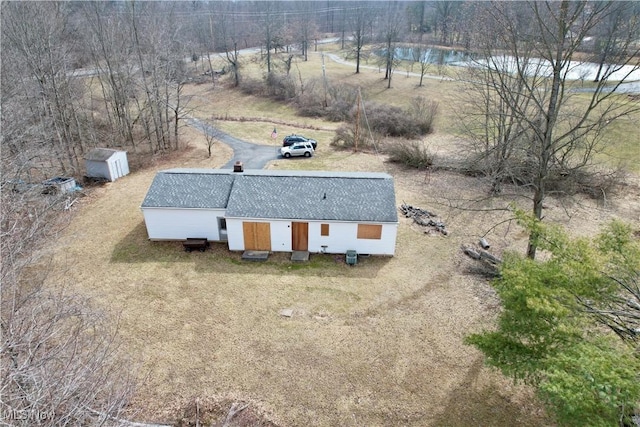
{"type": "Point", "coordinates": [475, 404]}
{"type": "Point", "coordinates": [135, 248]}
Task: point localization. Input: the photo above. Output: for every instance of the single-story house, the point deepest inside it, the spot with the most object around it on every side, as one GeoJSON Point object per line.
{"type": "Point", "coordinates": [106, 163]}
{"type": "Point", "coordinates": [277, 211]}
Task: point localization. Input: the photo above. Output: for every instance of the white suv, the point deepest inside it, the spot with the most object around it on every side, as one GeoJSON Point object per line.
{"type": "Point", "coordinates": [297, 149]}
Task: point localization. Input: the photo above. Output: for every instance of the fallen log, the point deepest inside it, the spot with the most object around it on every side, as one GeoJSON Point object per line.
{"type": "Point", "coordinates": [487, 265]}
{"type": "Point", "coordinates": [489, 257]}
{"type": "Point", "coordinates": [471, 252]}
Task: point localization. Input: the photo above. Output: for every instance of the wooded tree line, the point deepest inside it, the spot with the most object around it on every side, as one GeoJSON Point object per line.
{"type": "Point", "coordinates": [76, 75]}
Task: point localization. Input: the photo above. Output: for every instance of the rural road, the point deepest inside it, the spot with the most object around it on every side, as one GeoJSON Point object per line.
{"type": "Point", "coordinates": [252, 156]}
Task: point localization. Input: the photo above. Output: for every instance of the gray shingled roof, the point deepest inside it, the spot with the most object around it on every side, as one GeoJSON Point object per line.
{"type": "Point", "coordinates": [100, 154]}
{"type": "Point", "coordinates": [198, 189]}
{"type": "Point", "coordinates": [345, 197]}
{"type": "Point", "coordinates": [310, 195]}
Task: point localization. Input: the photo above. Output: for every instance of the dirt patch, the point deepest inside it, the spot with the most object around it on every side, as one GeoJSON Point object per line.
{"type": "Point", "coordinates": [221, 411]}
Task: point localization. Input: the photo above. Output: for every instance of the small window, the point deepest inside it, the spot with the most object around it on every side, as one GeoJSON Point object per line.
{"type": "Point", "coordinates": [324, 229]}
{"type": "Point", "coordinates": [370, 231]}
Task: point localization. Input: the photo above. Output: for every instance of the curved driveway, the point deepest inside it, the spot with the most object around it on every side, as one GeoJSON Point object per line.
{"type": "Point", "coordinates": [252, 156]}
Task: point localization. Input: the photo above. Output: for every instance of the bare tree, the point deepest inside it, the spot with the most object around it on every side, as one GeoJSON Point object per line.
{"type": "Point", "coordinates": [211, 133]}
{"type": "Point", "coordinates": [611, 34]}
{"type": "Point", "coordinates": [531, 121]}
{"type": "Point", "coordinates": [160, 68]}
{"type": "Point", "coordinates": [360, 21]}
{"type": "Point", "coordinates": [390, 34]}
{"type": "Point", "coordinates": [416, 18]}
{"type": "Point", "coordinates": [60, 359]}
{"type": "Point", "coordinates": [112, 57]}
{"type": "Point", "coordinates": [305, 29]}
{"type": "Point", "coordinates": [36, 37]}
{"type": "Point", "coordinates": [421, 53]}
{"type": "Point", "coordinates": [271, 26]}
{"type": "Point", "coordinates": [228, 30]}
{"type": "Point", "coordinates": [444, 18]}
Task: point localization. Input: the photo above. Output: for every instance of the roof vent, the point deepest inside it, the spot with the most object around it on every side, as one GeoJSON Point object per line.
{"type": "Point", "coordinates": [237, 167]}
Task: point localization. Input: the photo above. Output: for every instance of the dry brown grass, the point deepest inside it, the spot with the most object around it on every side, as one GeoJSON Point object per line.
{"type": "Point", "coordinates": [376, 344]}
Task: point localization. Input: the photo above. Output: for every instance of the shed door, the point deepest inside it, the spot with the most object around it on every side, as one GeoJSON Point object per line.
{"type": "Point", "coordinates": [257, 236]}
{"type": "Point", "coordinates": [300, 236]}
{"type": "Point", "coordinates": [118, 170]}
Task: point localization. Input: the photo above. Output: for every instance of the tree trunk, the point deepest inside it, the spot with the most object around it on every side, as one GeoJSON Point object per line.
{"type": "Point", "coordinates": [538, 198]}
{"type": "Point", "coordinates": [547, 143]}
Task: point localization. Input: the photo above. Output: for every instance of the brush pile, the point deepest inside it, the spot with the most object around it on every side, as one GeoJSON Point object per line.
{"type": "Point", "coordinates": [424, 218]}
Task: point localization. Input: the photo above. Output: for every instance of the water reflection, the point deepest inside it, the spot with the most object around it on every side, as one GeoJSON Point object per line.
{"type": "Point", "coordinates": [582, 71]}
{"type": "Point", "coordinates": [430, 55]}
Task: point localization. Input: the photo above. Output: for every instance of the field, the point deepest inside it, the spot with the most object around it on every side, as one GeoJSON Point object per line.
{"type": "Point", "coordinates": [377, 344]}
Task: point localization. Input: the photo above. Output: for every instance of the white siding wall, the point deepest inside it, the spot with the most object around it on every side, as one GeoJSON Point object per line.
{"type": "Point", "coordinates": [113, 172]}
{"type": "Point", "coordinates": [97, 169]}
{"type": "Point", "coordinates": [342, 237]}
{"type": "Point", "coordinates": [118, 165]}
{"type": "Point", "coordinates": [179, 224]}
{"type": "Point", "coordinates": [113, 168]}
{"type": "Point", "coordinates": [235, 235]}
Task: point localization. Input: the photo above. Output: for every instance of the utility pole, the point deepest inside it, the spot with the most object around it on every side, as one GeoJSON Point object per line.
{"type": "Point", "coordinates": [324, 79]}
{"type": "Point", "coordinates": [356, 133]}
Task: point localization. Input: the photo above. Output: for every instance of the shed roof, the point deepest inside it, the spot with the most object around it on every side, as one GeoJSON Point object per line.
{"type": "Point", "coordinates": [310, 195]}
{"type": "Point", "coordinates": [100, 154]}
{"type": "Point", "coordinates": [189, 190]}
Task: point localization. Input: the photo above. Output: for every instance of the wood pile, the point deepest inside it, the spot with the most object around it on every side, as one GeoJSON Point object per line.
{"type": "Point", "coordinates": [423, 218]}
{"type": "Point", "coordinates": [481, 254]}
{"type": "Point", "coordinates": [488, 264]}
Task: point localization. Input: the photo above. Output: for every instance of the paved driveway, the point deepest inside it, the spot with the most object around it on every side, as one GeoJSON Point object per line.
{"type": "Point", "coordinates": [252, 156]}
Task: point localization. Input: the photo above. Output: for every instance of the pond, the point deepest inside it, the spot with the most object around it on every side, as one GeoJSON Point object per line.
{"type": "Point", "coordinates": [583, 71]}
{"type": "Point", "coordinates": [430, 55]}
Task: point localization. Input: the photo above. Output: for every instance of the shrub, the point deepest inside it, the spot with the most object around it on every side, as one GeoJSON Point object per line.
{"type": "Point", "coordinates": [410, 153]}
{"type": "Point", "coordinates": [281, 87]}
{"type": "Point", "coordinates": [252, 87]}
{"type": "Point", "coordinates": [311, 110]}
{"type": "Point", "coordinates": [339, 111]}
{"type": "Point", "coordinates": [424, 113]}
{"type": "Point", "coordinates": [345, 138]}
{"type": "Point", "coordinates": [388, 120]}
{"type": "Point", "coordinates": [310, 102]}
{"type": "Point", "coordinates": [331, 102]}
{"type": "Point", "coordinates": [519, 169]}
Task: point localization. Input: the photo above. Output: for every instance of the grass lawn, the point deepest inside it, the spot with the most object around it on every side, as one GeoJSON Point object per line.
{"type": "Point", "coordinates": [377, 344]}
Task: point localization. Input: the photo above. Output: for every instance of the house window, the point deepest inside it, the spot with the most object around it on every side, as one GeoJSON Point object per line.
{"type": "Point", "coordinates": [222, 223]}
{"type": "Point", "coordinates": [370, 231]}
{"type": "Point", "coordinates": [324, 229]}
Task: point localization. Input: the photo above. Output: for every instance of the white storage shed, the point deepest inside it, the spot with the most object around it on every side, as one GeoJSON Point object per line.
{"type": "Point", "coordinates": [106, 163]}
